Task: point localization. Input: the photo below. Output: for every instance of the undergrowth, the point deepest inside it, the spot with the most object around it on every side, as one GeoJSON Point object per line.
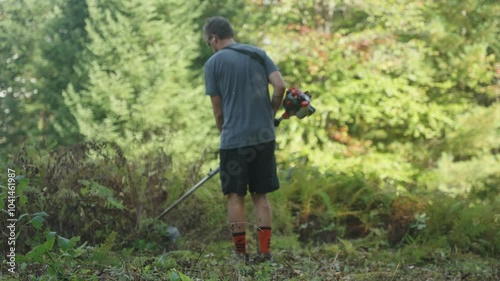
{"type": "Point", "coordinates": [87, 212]}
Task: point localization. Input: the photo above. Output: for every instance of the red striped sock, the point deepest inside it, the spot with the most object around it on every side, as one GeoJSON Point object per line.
{"type": "Point", "coordinates": [240, 242]}
{"type": "Point", "coordinates": [264, 239]}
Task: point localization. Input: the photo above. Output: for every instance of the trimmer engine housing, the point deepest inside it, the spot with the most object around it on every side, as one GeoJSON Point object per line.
{"type": "Point", "coordinates": [297, 103]}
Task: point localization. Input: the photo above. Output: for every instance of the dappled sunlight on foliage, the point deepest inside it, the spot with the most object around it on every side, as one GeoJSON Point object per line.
{"type": "Point", "coordinates": [394, 177]}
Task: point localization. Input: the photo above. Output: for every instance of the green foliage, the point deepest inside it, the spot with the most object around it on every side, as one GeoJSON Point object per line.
{"type": "Point", "coordinates": [468, 162]}
{"type": "Point", "coordinates": [38, 219]}
{"type": "Point", "coordinates": [90, 190]}
{"type": "Point", "coordinates": [101, 253]}
{"type": "Point", "coordinates": [478, 175]}
{"type": "Point", "coordinates": [41, 42]}
{"type": "Point", "coordinates": [401, 153]}
{"type": "Point", "coordinates": [336, 205]}
{"type": "Point", "coordinates": [377, 84]}
{"type": "Point", "coordinates": [47, 251]}
{"type": "Point", "coordinates": [100, 191]}
{"type": "Point", "coordinates": [177, 276]}
{"type": "Point", "coordinates": [65, 258]}
{"type": "Point", "coordinates": [465, 224]}
{"type": "Point", "coordinates": [341, 206]}
{"type": "Point", "coordinates": [21, 25]}
{"type": "Point", "coordinates": [139, 93]}
{"type": "Point", "coordinates": [466, 139]}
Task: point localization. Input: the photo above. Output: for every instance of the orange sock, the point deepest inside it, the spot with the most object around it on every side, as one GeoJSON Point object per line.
{"type": "Point", "coordinates": [240, 242]}
{"type": "Point", "coordinates": [264, 239]}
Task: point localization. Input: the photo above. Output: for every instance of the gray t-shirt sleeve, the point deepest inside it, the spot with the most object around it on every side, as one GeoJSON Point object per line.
{"type": "Point", "coordinates": [211, 88]}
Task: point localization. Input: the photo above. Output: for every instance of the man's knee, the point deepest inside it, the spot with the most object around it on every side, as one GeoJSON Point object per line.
{"type": "Point", "coordinates": [260, 200]}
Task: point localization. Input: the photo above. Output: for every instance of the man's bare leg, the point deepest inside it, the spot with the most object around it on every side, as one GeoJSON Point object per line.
{"type": "Point", "coordinates": [263, 216]}
{"type": "Point", "coordinates": [237, 221]}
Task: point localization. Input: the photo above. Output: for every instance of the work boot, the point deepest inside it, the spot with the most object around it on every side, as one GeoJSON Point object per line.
{"type": "Point", "coordinates": [240, 258]}
{"type": "Point", "coordinates": [262, 257]}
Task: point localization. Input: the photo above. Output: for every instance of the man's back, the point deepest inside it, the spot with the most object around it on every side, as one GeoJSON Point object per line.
{"type": "Point", "coordinates": [242, 83]}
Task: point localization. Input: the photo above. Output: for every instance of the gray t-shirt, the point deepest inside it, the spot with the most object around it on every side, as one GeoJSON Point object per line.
{"type": "Point", "coordinates": [242, 83]}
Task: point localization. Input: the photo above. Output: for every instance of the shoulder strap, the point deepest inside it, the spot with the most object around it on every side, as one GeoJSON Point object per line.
{"type": "Point", "coordinates": [253, 55]}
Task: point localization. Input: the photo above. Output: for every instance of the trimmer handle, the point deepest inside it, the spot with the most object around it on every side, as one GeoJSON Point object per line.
{"type": "Point", "coordinates": [277, 121]}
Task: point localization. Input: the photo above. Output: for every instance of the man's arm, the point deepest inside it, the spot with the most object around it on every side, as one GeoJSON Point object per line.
{"type": "Point", "coordinates": [279, 88]}
{"type": "Point", "coordinates": [217, 109]}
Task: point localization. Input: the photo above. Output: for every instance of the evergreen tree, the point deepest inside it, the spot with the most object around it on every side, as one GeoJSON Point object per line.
{"type": "Point", "coordinates": [139, 93]}
{"type": "Point", "coordinates": [40, 43]}
{"type": "Point", "coordinates": [64, 42]}
{"type": "Point", "coordinates": [21, 25]}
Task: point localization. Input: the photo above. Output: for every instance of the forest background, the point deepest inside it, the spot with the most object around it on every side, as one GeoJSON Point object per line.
{"type": "Point", "coordinates": [104, 120]}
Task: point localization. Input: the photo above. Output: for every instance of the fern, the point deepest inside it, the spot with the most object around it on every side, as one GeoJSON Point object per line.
{"type": "Point", "coordinates": [329, 204]}
{"type": "Point", "coordinates": [102, 254]}
{"type": "Point", "coordinates": [471, 227]}
{"type": "Point", "coordinates": [101, 191]}
{"type": "Point", "coordinates": [108, 243]}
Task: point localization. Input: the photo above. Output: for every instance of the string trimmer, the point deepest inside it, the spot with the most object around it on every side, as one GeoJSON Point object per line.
{"type": "Point", "coordinates": [296, 103]}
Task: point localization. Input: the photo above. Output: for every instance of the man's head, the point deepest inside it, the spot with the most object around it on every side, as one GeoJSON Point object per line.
{"type": "Point", "coordinates": [217, 33]}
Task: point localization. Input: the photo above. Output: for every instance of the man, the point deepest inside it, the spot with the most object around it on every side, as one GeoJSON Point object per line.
{"type": "Point", "coordinates": [236, 79]}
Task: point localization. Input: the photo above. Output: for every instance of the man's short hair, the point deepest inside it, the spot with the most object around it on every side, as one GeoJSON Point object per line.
{"type": "Point", "coordinates": [219, 26]}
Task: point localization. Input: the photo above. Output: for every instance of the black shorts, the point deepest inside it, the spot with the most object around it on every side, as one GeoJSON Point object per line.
{"type": "Point", "coordinates": [251, 166]}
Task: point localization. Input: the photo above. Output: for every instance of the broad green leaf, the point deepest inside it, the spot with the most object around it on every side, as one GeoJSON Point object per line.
{"type": "Point", "coordinates": [37, 222]}
{"type": "Point", "coordinates": [66, 244]}
{"type": "Point", "coordinates": [174, 276]}
{"type": "Point", "coordinates": [43, 214]}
